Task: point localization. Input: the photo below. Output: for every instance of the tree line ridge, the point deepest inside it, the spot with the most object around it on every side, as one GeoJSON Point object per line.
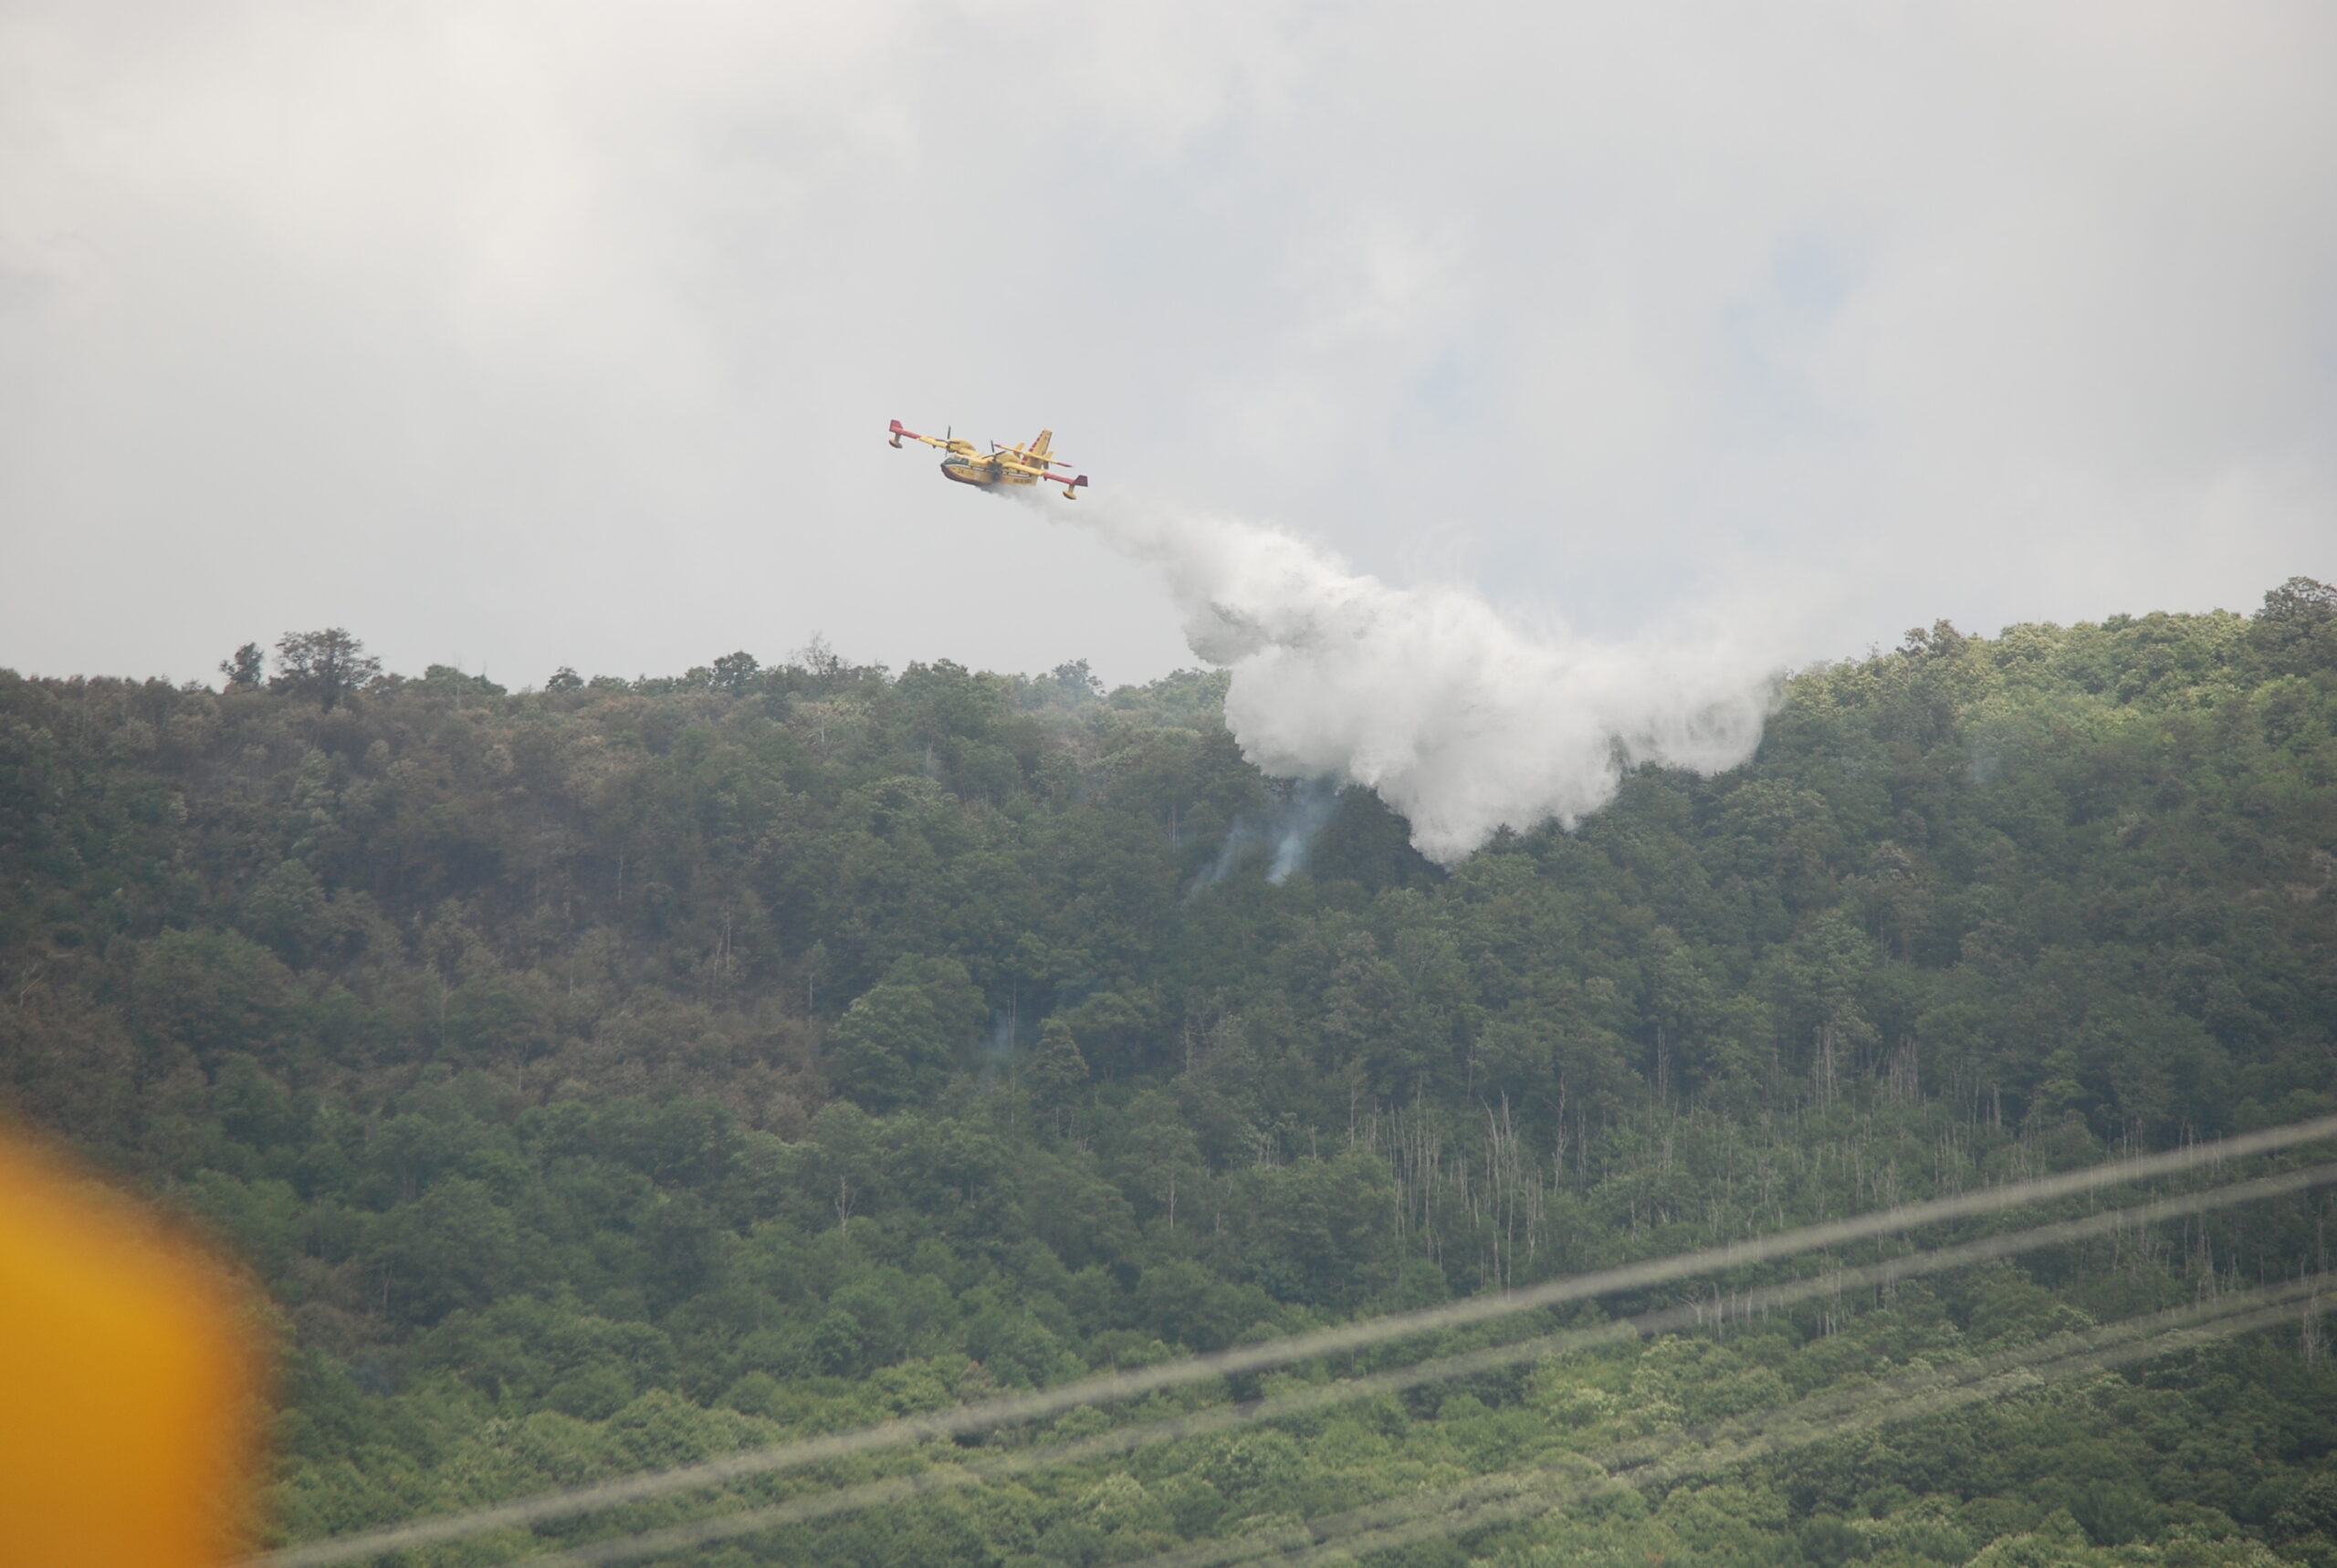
{"type": "Point", "coordinates": [614, 1073]}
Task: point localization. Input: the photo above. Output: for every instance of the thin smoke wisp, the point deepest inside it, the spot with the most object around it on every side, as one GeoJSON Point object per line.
{"type": "Point", "coordinates": [1427, 696]}
{"type": "Point", "coordinates": [1283, 837]}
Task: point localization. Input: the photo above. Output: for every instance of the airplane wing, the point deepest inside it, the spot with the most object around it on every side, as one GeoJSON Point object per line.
{"type": "Point", "coordinates": [1034, 454]}
{"type": "Point", "coordinates": [1071, 484]}
{"type": "Point", "coordinates": [944, 443]}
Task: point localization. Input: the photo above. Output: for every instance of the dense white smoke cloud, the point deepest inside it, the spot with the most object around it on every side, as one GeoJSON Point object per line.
{"type": "Point", "coordinates": [1427, 697]}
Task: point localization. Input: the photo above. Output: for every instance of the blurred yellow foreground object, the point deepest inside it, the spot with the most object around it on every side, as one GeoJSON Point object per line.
{"type": "Point", "coordinates": [128, 1396]}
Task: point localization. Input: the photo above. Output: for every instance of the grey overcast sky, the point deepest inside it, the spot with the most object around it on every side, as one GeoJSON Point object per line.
{"type": "Point", "coordinates": [517, 335]}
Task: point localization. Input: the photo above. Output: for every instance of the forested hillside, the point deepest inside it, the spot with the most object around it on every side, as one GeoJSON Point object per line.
{"type": "Point", "coordinates": [609, 1074]}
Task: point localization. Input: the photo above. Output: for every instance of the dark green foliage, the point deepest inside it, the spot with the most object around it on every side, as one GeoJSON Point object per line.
{"type": "Point", "coordinates": [630, 1071]}
{"type": "Point", "coordinates": [1056, 1070]}
{"type": "Point", "coordinates": [246, 666]}
{"type": "Point", "coordinates": [896, 1043]}
{"type": "Point", "coordinates": [325, 665]}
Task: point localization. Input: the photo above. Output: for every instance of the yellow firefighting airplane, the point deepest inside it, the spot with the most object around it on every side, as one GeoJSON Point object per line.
{"type": "Point", "coordinates": [1004, 466]}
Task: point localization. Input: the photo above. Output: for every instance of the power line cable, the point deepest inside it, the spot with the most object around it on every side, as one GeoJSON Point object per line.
{"type": "Point", "coordinates": [1906, 1404]}
{"type": "Point", "coordinates": [1523, 1494]}
{"type": "Point", "coordinates": [1119, 1386]}
{"type": "Point", "coordinates": [1696, 1313]}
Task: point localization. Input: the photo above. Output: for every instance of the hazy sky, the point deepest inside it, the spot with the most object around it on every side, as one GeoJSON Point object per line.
{"type": "Point", "coordinates": [520, 335]}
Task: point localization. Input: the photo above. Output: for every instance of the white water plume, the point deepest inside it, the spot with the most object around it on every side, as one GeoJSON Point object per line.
{"type": "Point", "coordinates": [1456, 718]}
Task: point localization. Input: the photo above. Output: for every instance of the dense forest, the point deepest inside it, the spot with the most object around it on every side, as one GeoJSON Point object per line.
{"type": "Point", "coordinates": [610, 1074]}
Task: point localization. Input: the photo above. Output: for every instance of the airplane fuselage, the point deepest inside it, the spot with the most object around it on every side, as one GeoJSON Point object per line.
{"type": "Point", "coordinates": [966, 471]}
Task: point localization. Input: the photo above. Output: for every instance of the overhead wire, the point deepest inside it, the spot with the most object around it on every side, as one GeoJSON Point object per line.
{"type": "Point", "coordinates": [1513, 1496]}
{"type": "Point", "coordinates": [1901, 1405]}
{"type": "Point", "coordinates": [1121, 1386]}
{"type": "Point", "coordinates": [1698, 1314]}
